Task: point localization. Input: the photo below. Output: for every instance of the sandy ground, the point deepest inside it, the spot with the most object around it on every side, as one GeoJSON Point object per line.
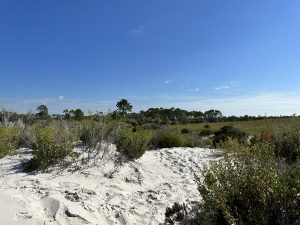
{"type": "Point", "coordinates": [138, 192]}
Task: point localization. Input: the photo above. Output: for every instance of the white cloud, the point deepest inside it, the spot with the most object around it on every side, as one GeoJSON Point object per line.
{"type": "Point", "coordinates": [61, 97]}
{"type": "Point", "coordinates": [168, 81]}
{"type": "Point", "coordinates": [222, 87]}
{"type": "Point", "coordinates": [227, 86]}
{"type": "Point", "coordinates": [138, 30]}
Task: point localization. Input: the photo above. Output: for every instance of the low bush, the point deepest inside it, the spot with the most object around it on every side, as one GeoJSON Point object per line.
{"type": "Point", "coordinates": [185, 131]}
{"type": "Point", "coordinates": [228, 132]}
{"type": "Point", "coordinates": [250, 185]}
{"type": "Point", "coordinates": [167, 138]}
{"type": "Point", "coordinates": [287, 142]}
{"type": "Point", "coordinates": [96, 138]}
{"type": "Point", "coordinates": [266, 136]}
{"type": "Point", "coordinates": [169, 141]}
{"type": "Point", "coordinates": [133, 144]}
{"type": "Point", "coordinates": [207, 126]}
{"type": "Point", "coordinates": [8, 140]}
{"type": "Point", "coordinates": [206, 132]}
{"type": "Point", "coordinates": [51, 147]}
{"type": "Point", "coordinates": [89, 133]}
{"type": "Point", "coordinates": [193, 140]}
{"type": "Point", "coordinates": [26, 137]}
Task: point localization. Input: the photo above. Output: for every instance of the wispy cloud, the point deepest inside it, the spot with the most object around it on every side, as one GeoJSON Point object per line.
{"type": "Point", "coordinates": [138, 30]}
{"type": "Point", "coordinates": [227, 86]}
{"type": "Point", "coordinates": [222, 87]}
{"type": "Point", "coordinates": [168, 81]}
{"type": "Point", "coordinates": [61, 97]}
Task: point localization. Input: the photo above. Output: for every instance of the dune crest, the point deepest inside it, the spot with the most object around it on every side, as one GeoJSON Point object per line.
{"type": "Point", "coordinates": [137, 193]}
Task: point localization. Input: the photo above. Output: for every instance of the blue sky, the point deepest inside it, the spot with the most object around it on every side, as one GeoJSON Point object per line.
{"type": "Point", "coordinates": [241, 57]}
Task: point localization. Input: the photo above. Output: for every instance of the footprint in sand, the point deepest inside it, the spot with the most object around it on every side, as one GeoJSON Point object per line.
{"type": "Point", "coordinates": [23, 216]}
{"type": "Point", "coordinates": [69, 185]}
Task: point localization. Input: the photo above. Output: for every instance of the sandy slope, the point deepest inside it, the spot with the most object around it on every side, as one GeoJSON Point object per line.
{"type": "Point", "coordinates": [137, 194]}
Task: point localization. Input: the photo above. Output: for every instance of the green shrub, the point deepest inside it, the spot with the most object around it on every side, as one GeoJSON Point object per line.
{"type": "Point", "coordinates": [206, 132]}
{"type": "Point", "coordinates": [168, 138]}
{"type": "Point", "coordinates": [193, 140]}
{"type": "Point", "coordinates": [287, 142]}
{"type": "Point", "coordinates": [249, 186]}
{"type": "Point", "coordinates": [92, 133]}
{"type": "Point", "coordinates": [51, 147]}
{"type": "Point", "coordinates": [185, 131]}
{"type": "Point", "coordinates": [133, 144]}
{"type": "Point", "coordinates": [207, 126]}
{"type": "Point", "coordinates": [8, 140]}
{"type": "Point", "coordinates": [170, 141]}
{"type": "Point", "coordinates": [228, 132]}
{"type": "Point", "coordinates": [88, 134]}
{"type": "Point", "coordinates": [26, 137]}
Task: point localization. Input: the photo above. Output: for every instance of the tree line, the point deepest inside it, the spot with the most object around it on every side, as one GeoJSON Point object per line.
{"type": "Point", "coordinates": [124, 112]}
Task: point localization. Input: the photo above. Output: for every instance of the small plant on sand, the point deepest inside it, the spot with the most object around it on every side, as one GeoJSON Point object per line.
{"type": "Point", "coordinates": [97, 138]}
{"type": "Point", "coordinates": [170, 141]}
{"type": "Point", "coordinates": [51, 147]}
{"type": "Point", "coordinates": [133, 144]}
{"type": "Point", "coordinates": [176, 213]}
{"type": "Point", "coordinates": [26, 137]}
{"type": "Point", "coordinates": [8, 139]}
{"type": "Point", "coordinates": [166, 138]}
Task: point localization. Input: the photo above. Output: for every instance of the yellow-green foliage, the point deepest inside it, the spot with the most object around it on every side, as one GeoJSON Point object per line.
{"type": "Point", "coordinates": [250, 185]}
{"type": "Point", "coordinates": [133, 144]}
{"type": "Point", "coordinates": [287, 142]}
{"type": "Point", "coordinates": [170, 141]}
{"type": "Point", "coordinates": [252, 127]}
{"type": "Point", "coordinates": [92, 132]}
{"type": "Point", "coordinates": [51, 147]}
{"type": "Point", "coordinates": [166, 137]}
{"type": "Point", "coordinates": [8, 139]}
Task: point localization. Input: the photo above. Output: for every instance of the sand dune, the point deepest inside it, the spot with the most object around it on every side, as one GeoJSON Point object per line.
{"type": "Point", "coordinates": [137, 193]}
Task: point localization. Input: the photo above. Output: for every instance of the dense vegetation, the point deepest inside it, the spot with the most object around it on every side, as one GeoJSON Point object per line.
{"type": "Point", "coordinates": [158, 116]}
{"type": "Point", "coordinates": [257, 181]}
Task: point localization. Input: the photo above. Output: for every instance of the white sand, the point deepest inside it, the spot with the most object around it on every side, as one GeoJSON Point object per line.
{"type": "Point", "coordinates": [137, 194]}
